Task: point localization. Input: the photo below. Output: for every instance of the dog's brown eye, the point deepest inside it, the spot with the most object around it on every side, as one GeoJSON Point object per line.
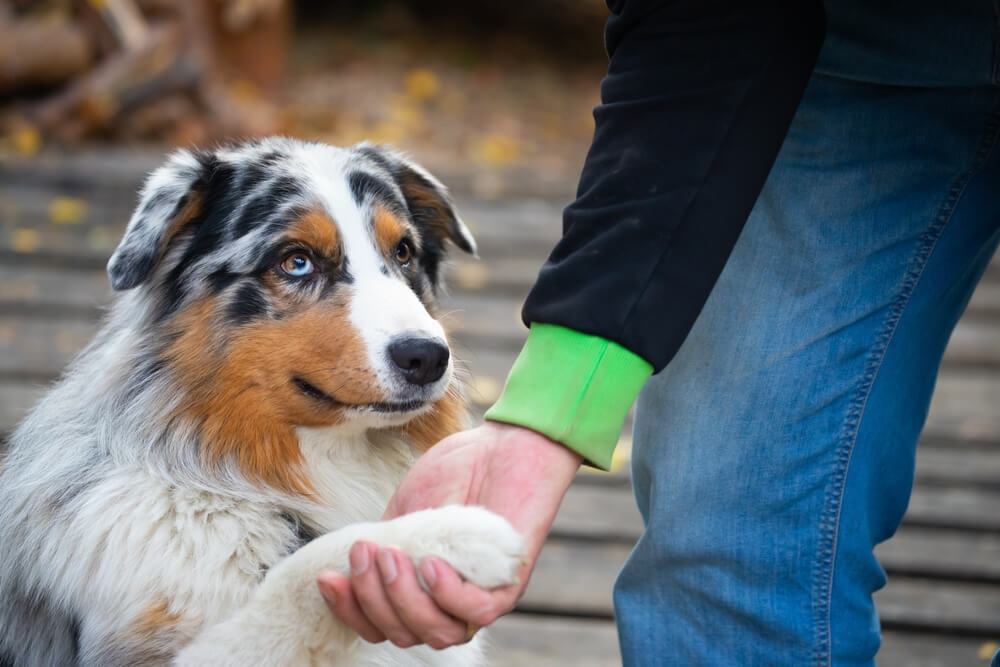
{"type": "Point", "coordinates": [297, 265]}
{"type": "Point", "coordinates": [404, 252]}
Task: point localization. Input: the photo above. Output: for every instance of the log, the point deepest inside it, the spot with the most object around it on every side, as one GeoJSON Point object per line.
{"type": "Point", "coordinates": [121, 82]}
{"type": "Point", "coordinates": [37, 53]}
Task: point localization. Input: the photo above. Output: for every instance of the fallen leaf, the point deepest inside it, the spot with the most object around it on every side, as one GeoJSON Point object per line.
{"type": "Point", "coordinates": [623, 453]}
{"type": "Point", "coordinates": [406, 115]}
{"type": "Point", "coordinates": [421, 84]}
{"type": "Point", "coordinates": [27, 141]}
{"type": "Point", "coordinates": [244, 91]}
{"type": "Point", "coordinates": [385, 133]}
{"type": "Point", "coordinates": [67, 210]}
{"type": "Point", "coordinates": [498, 150]}
{"type": "Point", "coordinates": [987, 650]}
{"type": "Point", "coordinates": [25, 240]}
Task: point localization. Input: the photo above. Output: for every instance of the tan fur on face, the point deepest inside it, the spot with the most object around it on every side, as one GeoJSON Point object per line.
{"type": "Point", "coordinates": [242, 394]}
{"type": "Point", "coordinates": [239, 384]}
{"type": "Point", "coordinates": [317, 231]}
{"type": "Point", "coordinates": [388, 231]}
{"type": "Point", "coordinates": [446, 417]}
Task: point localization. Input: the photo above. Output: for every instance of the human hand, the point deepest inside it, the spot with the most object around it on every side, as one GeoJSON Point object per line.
{"type": "Point", "coordinates": [510, 470]}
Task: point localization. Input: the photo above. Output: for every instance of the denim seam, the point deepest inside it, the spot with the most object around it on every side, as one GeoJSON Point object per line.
{"type": "Point", "coordinates": [823, 571]}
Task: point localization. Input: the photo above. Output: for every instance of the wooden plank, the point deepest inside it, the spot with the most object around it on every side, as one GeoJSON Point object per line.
{"type": "Point", "coordinates": [533, 222]}
{"type": "Point", "coordinates": [965, 405]}
{"type": "Point", "coordinates": [529, 640]}
{"type": "Point", "coordinates": [486, 321]}
{"type": "Point", "coordinates": [609, 513]}
{"type": "Point", "coordinates": [985, 301]}
{"type": "Point", "coordinates": [521, 640]}
{"type": "Point", "coordinates": [975, 343]}
{"type": "Point", "coordinates": [946, 554]}
{"type": "Point", "coordinates": [574, 577]}
{"type": "Point", "coordinates": [40, 347]}
{"type": "Point", "coordinates": [955, 507]}
{"type": "Point", "coordinates": [60, 291]}
{"type": "Point", "coordinates": [599, 512]}
{"type": "Point", "coordinates": [916, 649]}
{"type": "Point", "coordinates": [937, 465]}
{"type": "Point", "coordinates": [511, 275]}
{"type": "Point", "coordinates": [959, 445]}
{"type": "Point", "coordinates": [940, 606]}
{"type": "Point", "coordinates": [16, 398]}
{"type": "Point", "coordinates": [109, 168]}
{"type": "Point", "coordinates": [941, 553]}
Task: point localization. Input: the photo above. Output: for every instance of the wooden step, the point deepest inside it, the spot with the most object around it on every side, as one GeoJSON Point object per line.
{"type": "Point", "coordinates": [530, 640]}
{"type": "Point", "coordinates": [942, 554]}
{"type": "Point", "coordinates": [575, 577]}
{"type": "Point", "coordinates": [609, 513]}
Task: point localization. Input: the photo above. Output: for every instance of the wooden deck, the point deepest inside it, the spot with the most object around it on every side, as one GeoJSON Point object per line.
{"type": "Point", "coordinates": [60, 219]}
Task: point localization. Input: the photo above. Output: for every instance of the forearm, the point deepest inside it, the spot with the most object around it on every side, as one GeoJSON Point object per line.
{"type": "Point", "coordinates": [695, 106]}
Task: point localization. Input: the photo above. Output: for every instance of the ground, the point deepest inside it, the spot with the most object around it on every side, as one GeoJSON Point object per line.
{"type": "Point", "coordinates": [61, 215]}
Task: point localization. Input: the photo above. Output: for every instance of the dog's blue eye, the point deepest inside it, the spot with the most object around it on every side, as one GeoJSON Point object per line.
{"type": "Point", "coordinates": [297, 265]}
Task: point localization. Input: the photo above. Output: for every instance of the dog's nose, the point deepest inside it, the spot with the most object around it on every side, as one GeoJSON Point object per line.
{"type": "Point", "coordinates": [421, 360]}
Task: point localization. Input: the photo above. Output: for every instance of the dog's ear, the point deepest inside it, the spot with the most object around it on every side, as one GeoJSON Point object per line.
{"type": "Point", "coordinates": [166, 203]}
{"type": "Point", "coordinates": [430, 204]}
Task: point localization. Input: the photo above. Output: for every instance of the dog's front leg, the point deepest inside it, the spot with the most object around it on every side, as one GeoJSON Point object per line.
{"type": "Point", "coordinates": [287, 622]}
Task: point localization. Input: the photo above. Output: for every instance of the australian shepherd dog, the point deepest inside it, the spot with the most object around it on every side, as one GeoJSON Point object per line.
{"type": "Point", "coordinates": [271, 367]}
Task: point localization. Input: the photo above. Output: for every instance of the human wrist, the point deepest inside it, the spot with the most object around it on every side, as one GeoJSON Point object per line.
{"type": "Point", "coordinates": [545, 446]}
{"type": "Point", "coordinates": [574, 388]}
{"type": "Point", "coordinates": [551, 456]}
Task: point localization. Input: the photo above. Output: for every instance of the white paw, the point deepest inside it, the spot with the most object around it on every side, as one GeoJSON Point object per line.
{"type": "Point", "coordinates": [480, 545]}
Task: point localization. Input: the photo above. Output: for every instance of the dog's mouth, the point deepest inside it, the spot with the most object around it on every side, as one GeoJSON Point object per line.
{"type": "Point", "coordinates": [389, 407]}
{"type": "Point", "coordinates": [312, 391]}
{"type": "Point", "coordinates": [383, 407]}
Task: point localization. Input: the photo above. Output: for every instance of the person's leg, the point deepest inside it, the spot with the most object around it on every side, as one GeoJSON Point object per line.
{"type": "Point", "coordinates": [777, 448]}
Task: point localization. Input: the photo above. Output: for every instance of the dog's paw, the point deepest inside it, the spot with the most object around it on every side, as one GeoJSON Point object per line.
{"type": "Point", "coordinates": [480, 545]}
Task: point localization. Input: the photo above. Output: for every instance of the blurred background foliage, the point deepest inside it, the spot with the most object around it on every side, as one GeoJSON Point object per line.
{"type": "Point", "coordinates": [493, 85]}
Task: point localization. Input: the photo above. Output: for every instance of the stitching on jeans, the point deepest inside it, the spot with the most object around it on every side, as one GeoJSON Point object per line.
{"type": "Point", "coordinates": [823, 571]}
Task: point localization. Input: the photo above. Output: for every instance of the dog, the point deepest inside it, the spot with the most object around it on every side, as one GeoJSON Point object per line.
{"type": "Point", "coordinates": [270, 368]}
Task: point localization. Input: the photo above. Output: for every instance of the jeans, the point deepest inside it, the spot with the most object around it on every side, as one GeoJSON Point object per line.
{"type": "Point", "coordinates": [777, 448]}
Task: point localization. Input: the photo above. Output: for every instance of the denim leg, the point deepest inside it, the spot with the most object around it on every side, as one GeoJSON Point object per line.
{"type": "Point", "coordinates": [777, 448]}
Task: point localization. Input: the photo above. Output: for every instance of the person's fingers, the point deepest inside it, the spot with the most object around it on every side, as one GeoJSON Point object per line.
{"type": "Point", "coordinates": [413, 605]}
{"type": "Point", "coordinates": [463, 600]}
{"type": "Point", "coordinates": [336, 591]}
{"type": "Point", "coordinates": [367, 583]}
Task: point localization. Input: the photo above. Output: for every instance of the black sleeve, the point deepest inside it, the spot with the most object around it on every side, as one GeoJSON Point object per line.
{"type": "Point", "coordinates": [697, 100]}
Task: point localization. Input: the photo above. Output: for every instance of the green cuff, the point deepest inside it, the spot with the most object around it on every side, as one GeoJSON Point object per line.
{"type": "Point", "coordinates": [573, 388]}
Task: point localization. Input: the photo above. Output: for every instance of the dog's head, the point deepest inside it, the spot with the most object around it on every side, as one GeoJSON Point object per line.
{"type": "Point", "coordinates": [292, 284]}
